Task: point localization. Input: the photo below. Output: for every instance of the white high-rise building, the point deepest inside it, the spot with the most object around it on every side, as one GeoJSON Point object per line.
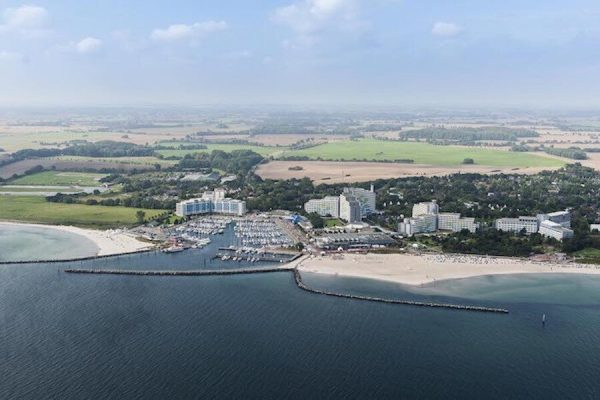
{"type": "Point", "coordinates": [430, 207]}
{"type": "Point", "coordinates": [560, 217]}
{"type": "Point", "coordinates": [211, 202]}
{"type": "Point", "coordinates": [327, 206]}
{"type": "Point", "coordinates": [350, 208]}
{"type": "Point", "coordinates": [366, 198]}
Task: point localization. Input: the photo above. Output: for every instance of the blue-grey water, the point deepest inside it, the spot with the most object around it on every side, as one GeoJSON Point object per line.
{"type": "Point", "coordinates": [27, 242]}
{"type": "Point", "coordinates": [259, 337]}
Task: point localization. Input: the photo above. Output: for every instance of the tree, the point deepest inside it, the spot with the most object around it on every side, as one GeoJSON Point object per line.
{"type": "Point", "coordinates": [140, 216]}
{"type": "Point", "coordinates": [316, 220]}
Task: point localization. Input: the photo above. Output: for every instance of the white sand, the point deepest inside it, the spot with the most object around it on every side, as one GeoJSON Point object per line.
{"type": "Point", "coordinates": [416, 270]}
{"type": "Point", "coordinates": [109, 242]}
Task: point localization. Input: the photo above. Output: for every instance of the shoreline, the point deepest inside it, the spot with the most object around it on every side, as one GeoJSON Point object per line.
{"type": "Point", "coordinates": [109, 242]}
{"type": "Point", "coordinates": [417, 270]}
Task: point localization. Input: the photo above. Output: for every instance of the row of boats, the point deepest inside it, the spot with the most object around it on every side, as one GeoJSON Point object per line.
{"type": "Point", "coordinates": [261, 233]}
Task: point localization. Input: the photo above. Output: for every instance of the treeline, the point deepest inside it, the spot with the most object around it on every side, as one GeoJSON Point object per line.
{"type": "Point", "coordinates": [133, 201]}
{"type": "Point", "coordinates": [105, 148]}
{"type": "Point", "coordinates": [468, 134]}
{"type": "Point", "coordinates": [238, 162]}
{"type": "Point", "coordinates": [572, 153]}
{"type": "Point", "coordinates": [493, 242]}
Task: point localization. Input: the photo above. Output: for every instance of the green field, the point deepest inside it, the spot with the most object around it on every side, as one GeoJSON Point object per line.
{"type": "Point", "coordinates": [57, 178]}
{"type": "Point", "coordinates": [264, 151]}
{"type": "Point", "coordinates": [422, 153]}
{"type": "Point", "coordinates": [588, 256]}
{"type": "Point", "coordinates": [37, 209]}
{"type": "Point", "coordinates": [120, 160]}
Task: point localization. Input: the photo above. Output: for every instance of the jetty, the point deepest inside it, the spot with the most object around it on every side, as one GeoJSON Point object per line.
{"type": "Point", "coordinates": [298, 280]}
{"type": "Point", "coordinates": [71, 260]}
{"type": "Point", "coordinates": [213, 272]}
{"type": "Point", "coordinates": [300, 283]}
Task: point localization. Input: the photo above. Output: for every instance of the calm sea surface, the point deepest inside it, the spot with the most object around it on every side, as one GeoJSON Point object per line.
{"type": "Point", "coordinates": [260, 337]}
{"type": "Point", "coordinates": [19, 242]}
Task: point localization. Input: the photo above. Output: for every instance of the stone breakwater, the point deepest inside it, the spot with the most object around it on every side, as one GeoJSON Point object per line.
{"type": "Point", "coordinates": [68, 260]}
{"type": "Point", "coordinates": [297, 278]}
{"type": "Point", "coordinates": [300, 283]}
{"type": "Point", "coordinates": [244, 271]}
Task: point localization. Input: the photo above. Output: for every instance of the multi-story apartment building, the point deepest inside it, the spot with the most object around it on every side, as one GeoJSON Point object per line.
{"type": "Point", "coordinates": [350, 208]}
{"type": "Point", "coordinates": [530, 224]}
{"type": "Point", "coordinates": [455, 223]}
{"type": "Point", "coordinates": [326, 207]}
{"type": "Point", "coordinates": [554, 229]}
{"type": "Point", "coordinates": [211, 202]}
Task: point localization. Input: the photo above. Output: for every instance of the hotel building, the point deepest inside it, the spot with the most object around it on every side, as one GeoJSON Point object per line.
{"type": "Point", "coordinates": [211, 202]}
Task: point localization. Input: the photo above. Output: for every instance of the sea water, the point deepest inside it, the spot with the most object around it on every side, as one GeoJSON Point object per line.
{"type": "Point", "coordinates": [27, 242]}
{"type": "Point", "coordinates": [69, 336]}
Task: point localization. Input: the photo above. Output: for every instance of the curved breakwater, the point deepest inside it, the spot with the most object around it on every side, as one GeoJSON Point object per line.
{"type": "Point", "coordinates": [300, 283]}
{"type": "Point", "coordinates": [298, 280]}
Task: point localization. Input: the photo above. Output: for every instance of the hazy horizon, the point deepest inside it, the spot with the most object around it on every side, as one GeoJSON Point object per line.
{"type": "Point", "coordinates": [300, 52]}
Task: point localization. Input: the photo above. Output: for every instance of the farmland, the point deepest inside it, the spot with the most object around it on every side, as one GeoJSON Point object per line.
{"type": "Point", "coordinates": [331, 172]}
{"type": "Point", "coordinates": [38, 210]}
{"type": "Point", "coordinates": [56, 178]}
{"type": "Point", "coordinates": [422, 153]}
{"type": "Point", "coordinates": [264, 151]}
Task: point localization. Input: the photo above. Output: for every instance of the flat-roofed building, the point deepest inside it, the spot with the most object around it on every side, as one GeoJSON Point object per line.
{"type": "Point", "coordinates": [327, 206]}
{"type": "Point", "coordinates": [211, 202]}
{"type": "Point", "coordinates": [555, 230]}
{"type": "Point", "coordinates": [560, 217]}
{"type": "Point", "coordinates": [366, 198]}
{"type": "Point", "coordinates": [350, 209]}
{"type": "Point", "coordinates": [430, 207]}
{"type": "Point", "coordinates": [530, 224]}
{"type": "Point", "coordinates": [455, 223]}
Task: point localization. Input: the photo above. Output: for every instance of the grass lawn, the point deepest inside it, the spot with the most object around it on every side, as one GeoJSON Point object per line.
{"type": "Point", "coordinates": [422, 153]}
{"type": "Point", "coordinates": [264, 151]}
{"type": "Point", "coordinates": [37, 209]}
{"type": "Point", "coordinates": [588, 256]}
{"type": "Point", "coordinates": [331, 222]}
{"type": "Point", "coordinates": [57, 178]}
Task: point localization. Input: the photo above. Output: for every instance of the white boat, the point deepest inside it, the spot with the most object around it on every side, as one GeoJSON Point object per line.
{"type": "Point", "coordinates": [173, 249]}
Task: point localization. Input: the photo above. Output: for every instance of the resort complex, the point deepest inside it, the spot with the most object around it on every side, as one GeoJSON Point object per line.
{"type": "Point", "coordinates": [427, 219]}
{"type": "Point", "coordinates": [352, 205]}
{"type": "Point", "coordinates": [213, 202]}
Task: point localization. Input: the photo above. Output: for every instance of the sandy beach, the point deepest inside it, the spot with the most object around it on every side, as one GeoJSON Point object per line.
{"type": "Point", "coordinates": [422, 269]}
{"type": "Point", "coordinates": [108, 242]}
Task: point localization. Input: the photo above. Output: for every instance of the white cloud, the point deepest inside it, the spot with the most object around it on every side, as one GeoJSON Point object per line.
{"type": "Point", "coordinates": [25, 17]}
{"type": "Point", "coordinates": [309, 16]}
{"type": "Point", "coordinates": [445, 29]}
{"type": "Point", "coordinates": [88, 45]}
{"type": "Point", "coordinates": [182, 32]}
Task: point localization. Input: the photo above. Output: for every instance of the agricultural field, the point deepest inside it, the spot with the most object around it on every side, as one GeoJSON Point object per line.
{"type": "Point", "coordinates": [423, 153]}
{"type": "Point", "coordinates": [38, 210]}
{"type": "Point", "coordinates": [264, 151]}
{"type": "Point", "coordinates": [58, 178]}
{"type": "Point", "coordinates": [331, 172]}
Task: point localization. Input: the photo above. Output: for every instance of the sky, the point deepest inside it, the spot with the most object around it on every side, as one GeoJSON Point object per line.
{"type": "Point", "coordinates": [529, 53]}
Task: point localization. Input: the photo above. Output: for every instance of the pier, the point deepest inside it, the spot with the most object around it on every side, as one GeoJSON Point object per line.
{"type": "Point", "coordinates": [300, 283]}
{"type": "Point", "coordinates": [298, 280]}
{"type": "Point", "coordinates": [243, 271]}
{"type": "Point", "coordinates": [70, 260]}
